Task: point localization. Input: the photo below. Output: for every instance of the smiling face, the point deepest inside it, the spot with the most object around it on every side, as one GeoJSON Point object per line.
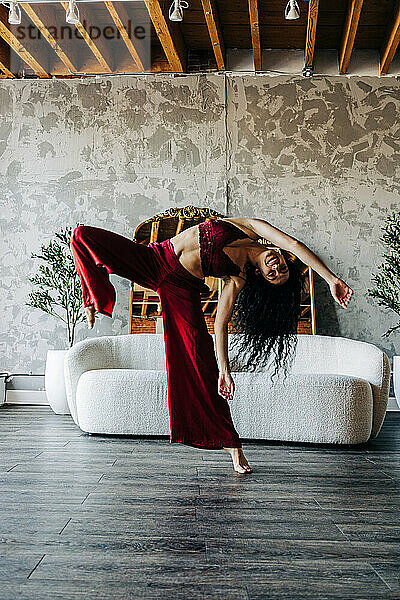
{"type": "Point", "coordinates": [274, 267]}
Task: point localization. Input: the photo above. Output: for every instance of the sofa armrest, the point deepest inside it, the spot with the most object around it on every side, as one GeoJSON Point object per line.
{"type": "Point", "coordinates": [381, 396]}
{"type": "Point", "coordinates": [87, 355]}
{"type": "Point", "coordinates": [140, 351]}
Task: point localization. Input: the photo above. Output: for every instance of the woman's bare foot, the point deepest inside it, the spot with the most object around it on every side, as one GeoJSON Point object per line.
{"type": "Point", "coordinates": [89, 310]}
{"type": "Point", "coordinates": [240, 464]}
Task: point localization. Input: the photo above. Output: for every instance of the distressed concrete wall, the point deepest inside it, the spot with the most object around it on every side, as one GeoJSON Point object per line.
{"type": "Point", "coordinates": [318, 158]}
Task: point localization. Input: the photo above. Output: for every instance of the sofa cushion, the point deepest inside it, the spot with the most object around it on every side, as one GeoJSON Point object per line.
{"type": "Point", "coordinates": [319, 408]}
{"type": "Point", "coordinates": [323, 408]}
{"type": "Point", "coordinates": [123, 401]}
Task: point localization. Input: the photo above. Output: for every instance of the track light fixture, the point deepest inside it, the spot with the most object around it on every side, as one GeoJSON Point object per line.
{"type": "Point", "coordinates": [14, 16]}
{"type": "Point", "coordinates": [175, 10]}
{"type": "Point", "coordinates": [72, 16]}
{"type": "Point", "coordinates": [292, 10]}
{"type": "Point", "coordinates": [14, 11]}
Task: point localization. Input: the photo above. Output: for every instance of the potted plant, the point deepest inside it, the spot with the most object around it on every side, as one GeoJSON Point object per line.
{"type": "Point", "coordinates": [59, 295]}
{"type": "Point", "coordinates": [387, 280]}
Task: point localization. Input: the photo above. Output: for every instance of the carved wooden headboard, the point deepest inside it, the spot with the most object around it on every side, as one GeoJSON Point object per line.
{"type": "Point", "coordinates": [171, 222]}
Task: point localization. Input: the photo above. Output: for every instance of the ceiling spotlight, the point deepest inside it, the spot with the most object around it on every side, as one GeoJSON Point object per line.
{"type": "Point", "coordinates": [292, 10]}
{"type": "Point", "coordinates": [308, 72]}
{"type": "Point", "coordinates": [14, 13]}
{"type": "Point", "coordinates": [175, 10]}
{"type": "Point", "coordinates": [72, 16]}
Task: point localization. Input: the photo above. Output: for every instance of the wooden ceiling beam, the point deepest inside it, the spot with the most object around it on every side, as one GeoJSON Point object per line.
{"type": "Point", "coordinates": [215, 32]}
{"type": "Point", "coordinates": [311, 33]}
{"type": "Point", "coordinates": [255, 34]}
{"type": "Point", "coordinates": [170, 36]}
{"type": "Point", "coordinates": [47, 13]}
{"type": "Point", "coordinates": [390, 47]}
{"type": "Point", "coordinates": [99, 49]}
{"type": "Point", "coordinates": [349, 34]}
{"type": "Point", "coordinates": [5, 71]}
{"type": "Point", "coordinates": [22, 52]}
{"type": "Point", "coordinates": [120, 16]}
{"type": "Point", "coordinates": [5, 59]}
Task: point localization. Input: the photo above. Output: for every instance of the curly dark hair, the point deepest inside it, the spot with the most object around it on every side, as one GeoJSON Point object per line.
{"type": "Point", "coordinates": [267, 315]}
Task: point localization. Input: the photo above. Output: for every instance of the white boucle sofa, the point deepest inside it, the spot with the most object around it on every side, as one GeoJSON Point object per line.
{"type": "Point", "coordinates": [336, 391]}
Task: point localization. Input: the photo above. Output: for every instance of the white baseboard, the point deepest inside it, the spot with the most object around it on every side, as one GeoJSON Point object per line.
{"type": "Point", "coordinates": [392, 404]}
{"type": "Point", "coordinates": [27, 397]}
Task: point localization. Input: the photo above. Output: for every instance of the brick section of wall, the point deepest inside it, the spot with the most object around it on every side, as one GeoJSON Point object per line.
{"type": "Point", "coordinates": [143, 325]}
{"type": "Point", "coordinates": [304, 327]}
{"type": "Point", "coordinates": [149, 326]}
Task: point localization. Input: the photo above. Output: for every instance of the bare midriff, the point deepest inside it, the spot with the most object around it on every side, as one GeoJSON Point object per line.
{"type": "Point", "coordinates": [187, 249]}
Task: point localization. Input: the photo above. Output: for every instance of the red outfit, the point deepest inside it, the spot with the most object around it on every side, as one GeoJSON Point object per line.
{"type": "Point", "coordinates": [213, 236]}
{"type": "Point", "coordinates": [199, 416]}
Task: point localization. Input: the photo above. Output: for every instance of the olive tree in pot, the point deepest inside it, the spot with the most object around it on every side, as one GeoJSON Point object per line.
{"type": "Point", "coordinates": [59, 295]}
{"type": "Point", "coordinates": [387, 280]}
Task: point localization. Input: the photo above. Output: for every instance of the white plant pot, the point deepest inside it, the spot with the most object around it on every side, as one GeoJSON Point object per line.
{"type": "Point", "coordinates": [54, 382]}
{"type": "Point", "coordinates": [396, 378]}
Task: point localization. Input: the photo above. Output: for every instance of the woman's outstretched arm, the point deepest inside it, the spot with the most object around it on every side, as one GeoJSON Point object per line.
{"type": "Point", "coordinates": [230, 290]}
{"type": "Point", "coordinates": [340, 291]}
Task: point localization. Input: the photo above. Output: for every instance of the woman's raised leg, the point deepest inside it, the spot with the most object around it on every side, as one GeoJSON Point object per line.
{"type": "Point", "coordinates": [97, 253]}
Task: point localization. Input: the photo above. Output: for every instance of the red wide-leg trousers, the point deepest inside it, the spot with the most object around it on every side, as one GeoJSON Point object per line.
{"type": "Point", "coordinates": [199, 416]}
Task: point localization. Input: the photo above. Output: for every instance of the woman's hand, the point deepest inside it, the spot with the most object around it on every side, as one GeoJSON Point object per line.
{"type": "Point", "coordinates": [226, 385]}
{"type": "Point", "coordinates": [341, 292]}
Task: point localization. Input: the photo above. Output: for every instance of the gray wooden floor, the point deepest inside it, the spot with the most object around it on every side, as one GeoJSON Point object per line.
{"type": "Point", "coordinates": [98, 517]}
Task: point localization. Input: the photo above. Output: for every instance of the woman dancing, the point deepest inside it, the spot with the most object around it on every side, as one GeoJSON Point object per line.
{"type": "Point", "coordinates": [260, 295]}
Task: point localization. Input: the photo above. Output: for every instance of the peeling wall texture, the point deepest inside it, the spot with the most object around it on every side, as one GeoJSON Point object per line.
{"type": "Point", "coordinates": [316, 157]}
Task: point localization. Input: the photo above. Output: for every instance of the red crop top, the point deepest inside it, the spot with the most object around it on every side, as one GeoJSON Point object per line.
{"type": "Point", "coordinates": [214, 234]}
